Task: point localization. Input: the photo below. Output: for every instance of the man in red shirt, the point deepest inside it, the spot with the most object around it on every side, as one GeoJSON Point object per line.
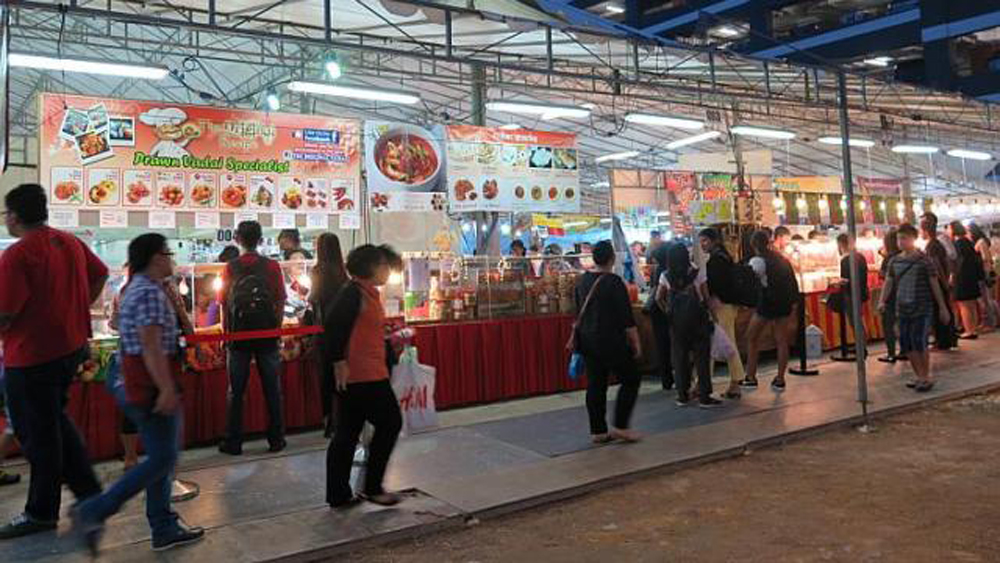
{"type": "Point", "coordinates": [253, 298]}
{"type": "Point", "coordinates": [48, 280]}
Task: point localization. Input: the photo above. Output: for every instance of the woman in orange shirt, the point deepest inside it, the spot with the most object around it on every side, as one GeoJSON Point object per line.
{"type": "Point", "coordinates": [356, 346]}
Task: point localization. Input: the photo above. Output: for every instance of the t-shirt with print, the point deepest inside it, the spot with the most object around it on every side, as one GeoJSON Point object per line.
{"type": "Point", "coordinates": [911, 275]}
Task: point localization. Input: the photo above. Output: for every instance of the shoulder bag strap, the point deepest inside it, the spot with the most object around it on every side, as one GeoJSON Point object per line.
{"type": "Point", "coordinates": [590, 295]}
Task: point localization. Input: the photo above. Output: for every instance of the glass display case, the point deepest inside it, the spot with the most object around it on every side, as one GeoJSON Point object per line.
{"type": "Point", "coordinates": [443, 287]}
{"type": "Point", "coordinates": [817, 262]}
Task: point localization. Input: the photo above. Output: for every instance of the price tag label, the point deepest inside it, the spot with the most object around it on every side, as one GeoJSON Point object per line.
{"type": "Point", "coordinates": [206, 220]}
{"type": "Point", "coordinates": [114, 219]}
{"type": "Point", "coordinates": [241, 216]}
{"type": "Point", "coordinates": [350, 222]}
{"type": "Point", "coordinates": [162, 220]}
{"type": "Point", "coordinates": [314, 221]}
{"type": "Point", "coordinates": [283, 220]}
{"type": "Point", "coordinates": [64, 218]}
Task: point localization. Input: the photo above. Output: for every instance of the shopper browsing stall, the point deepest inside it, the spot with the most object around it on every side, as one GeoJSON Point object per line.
{"type": "Point", "coordinates": [608, 339]}
{"type": "Point", "coordinates": [944, 333]}
{"type": "Point", "coordinates": [913, 283]}
{"type": "Point", "coordinates": [723, 299]}
{"type": "Point", "coordinates": [659, 319]}
{"type": "Point", "coordinates": [690, 326]}
{"type": "Point", "coordinates": [968, 279]}
{"type": "Point", "coordinates": [328, 279]}
{"type": "Point", "coordinates": [253, 294]}
{"type": "Point", "coordinates": [779, 293]}
{"type": "Point", "coordinates": [890, 249]}
{"type": "Point", "coordinates": [356, 344]}
{"type": "Point", "coordinates": [48, 280]}
{"type": "Point", "coordinates": [150, 362]}
{"type": "Point", "coordinates": [860, 276]}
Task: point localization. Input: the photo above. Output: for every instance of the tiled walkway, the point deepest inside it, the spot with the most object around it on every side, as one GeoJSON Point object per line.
{"type": "Point", "coordinates": [269, 508]}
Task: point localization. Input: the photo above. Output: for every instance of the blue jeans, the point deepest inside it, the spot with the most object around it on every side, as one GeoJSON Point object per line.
{"type": "Point", "coordinates": [268, 366]}
{"type": "Point", "coordinates": [160, 436]}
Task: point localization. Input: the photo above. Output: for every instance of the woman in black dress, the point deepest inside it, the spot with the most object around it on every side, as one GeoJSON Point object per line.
{"type": "Point", "coordinates": [968, 278]}
{"type": "Point", "coordinates": [328, 277]}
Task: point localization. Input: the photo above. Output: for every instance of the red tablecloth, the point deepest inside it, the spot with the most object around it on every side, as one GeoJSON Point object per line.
{"type": "Point", "coordinates": [480, 362]}
{"type": "Point", "coordinates": [476, 362]}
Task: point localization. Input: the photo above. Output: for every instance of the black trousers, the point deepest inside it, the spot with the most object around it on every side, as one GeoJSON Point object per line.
{"type": "Point", "coordinates": [37, 398]}
{"type": "Point", "coordinates": [374, 403]}
{"type": "Point", "coordinates": [661, 332]}
{"type": "Point", "coordinates": [599, 368]}
{"type": "Point", "coordinates": [691, 349]}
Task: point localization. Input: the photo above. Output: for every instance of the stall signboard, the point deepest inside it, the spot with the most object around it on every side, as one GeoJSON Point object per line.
{"type": "Point", "coordinates": [405, 166]}
{"type": "Point", "coordinates": [717, 186]}
{"type": "Point", "coordinates": [711, 211]}
{"type": "Point", "coordinates": [491, 169]}
{"type": "Point", "coordinates": [809, 184]}
{"type": "Point", "coordinates": [101, 153]}
{"type": "Point", "coordinates": [886, 187]}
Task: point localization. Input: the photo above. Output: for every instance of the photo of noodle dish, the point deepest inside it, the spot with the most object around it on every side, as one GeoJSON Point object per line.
{"type": "Point", "coordinates": [406, 158]}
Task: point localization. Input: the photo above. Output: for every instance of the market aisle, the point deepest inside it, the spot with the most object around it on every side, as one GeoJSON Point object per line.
{"type": "Point", "coordinates": [264, 508]}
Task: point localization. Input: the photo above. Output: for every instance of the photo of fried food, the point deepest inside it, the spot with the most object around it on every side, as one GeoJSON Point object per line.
{"type": "Point", "coordinates": [92, 144]}
{"type": "Point", "coordinates": [462, 189]}
{"type": "Point", "coordinates": [68, 190]}
{"type": "Point", "coordinates": [203, 194]}
{"type": "Point", "coordinates": [171, 195]}
{"type": "Point", "coordinates": [553, 193]}
{"type": "Point", "coordinates": [102, 191]}
{"type": "Point", "coordinates": [490, 189]}
{"type": "Point", "coordinates": [234, 196]}
{"type": "Point", "coordinates": [292, 198]}
{"type": "Point", "coordinates": [137, 191]}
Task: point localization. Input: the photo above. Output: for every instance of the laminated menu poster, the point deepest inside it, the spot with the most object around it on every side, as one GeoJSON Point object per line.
{"type": "Point", "coordinates": [405, 166]}
{"type": "Point", "coordinates": [492, 169]}
{"type": "Point", "coordinates": [106, 153]}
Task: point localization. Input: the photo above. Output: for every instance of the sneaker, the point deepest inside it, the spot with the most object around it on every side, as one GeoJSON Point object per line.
{"type": "Point", "coordinates": [384, 499]}
{"type": "Point", "coordinates": [709, 403]}
{"type": "Point", "coordinates": [888, 359]}
{"type": "Point", "coordinates": [277, 445]}
{"type": "Point", "coordinates": [24, 525]}
{"type": "Point", "coordinates": [749, 383]}
{"type": "Point", "coordinates": [682, 401]}
{"type": "Point", "coordinates": [182, 535]}
{"type": "Point", "coordinates": [230, 449]}
{"type": "Point", "coordinates": [9, 478]}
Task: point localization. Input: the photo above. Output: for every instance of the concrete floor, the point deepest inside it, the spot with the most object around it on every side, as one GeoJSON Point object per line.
{"type": "Point", "coordinates": [488, 460]}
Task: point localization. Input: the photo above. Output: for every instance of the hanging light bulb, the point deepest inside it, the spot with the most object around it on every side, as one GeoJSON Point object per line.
{"type": "Point", "coordinates": [272, 100]}
{"type": "Point", "coordinates": [843, 204]}
{"type": "Point", "coordinates": [962, 209]}
{"type": "Point", "coordinates": [778, 202]}
{"type": "Point", "coordinates": [863, 205]}
{"type": "Point", "coordinates": [183, 287]}
{"type": "Point", "coordinates": [333, 69]}
{"type": "Point", "coordinates": [801, 203]}
{"type": "Point", "coordinates": [900, 206]}
{"type": "Point", "coordinates": [217, 284]}
{"type": "Point", "coordinates": [881, 205]}
{"type": "Point", "coordinates": [977, 209]}
{"type": "Point", "coordinates": [396, 278]}
{"type": "Point", "coordinates": [823, 203]}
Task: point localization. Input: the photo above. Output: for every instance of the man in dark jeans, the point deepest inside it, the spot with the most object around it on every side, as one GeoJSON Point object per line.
{"type": "Point", "coordinates": [846, 248]}
{"type": "Point", "coordinates": [945, 334]}
{"type": "Point", "coordinates": [48, 280]}
{"type": "Point", "coordinates": [253, 295]}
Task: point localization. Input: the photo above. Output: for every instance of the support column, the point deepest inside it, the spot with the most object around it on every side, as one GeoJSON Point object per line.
{"type": "Point", "coordinates": [852, 229]}
{"type": "Point", "coordinates": [487, 224]}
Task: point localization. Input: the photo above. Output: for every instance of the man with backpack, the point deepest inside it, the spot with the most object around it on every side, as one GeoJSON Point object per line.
{"type": "Point", "coordinates": [253, 297]}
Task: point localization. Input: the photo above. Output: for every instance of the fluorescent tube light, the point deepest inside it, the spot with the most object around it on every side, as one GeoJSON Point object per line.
{"type": "Point", "coordinates": [617, 156]}
{"type": "Point", "coordinates": [614, 9]}
{"type": "Point", "coordinates": [510, 126]}
{"type": "Point", "coordinates": [88, 67]}
{"type": "Point", "coordinates": [914, 149]}
{"type": "Point", "coordinates": [862, 143]}
{"type": "Point", "coordinates": [971, 155]}
{"type": "Point", "coordinates": [727, 31]}
{"type": "Point", "coordinates": [763, 132]}
{"type": "Point", "coordinates": [673, 145]}
{"type": "Point", "coordinates": [882, 61]}
{"type": "Point", "coordinates": [664, 120]}
{"type": "Point", "coordinates": [357, 92]}
{"type": "Point", "coordinates": [546, 111]}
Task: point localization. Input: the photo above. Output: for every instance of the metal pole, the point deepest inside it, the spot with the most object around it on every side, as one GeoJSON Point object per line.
{"type": "Point", "coordinates": [852, 229]}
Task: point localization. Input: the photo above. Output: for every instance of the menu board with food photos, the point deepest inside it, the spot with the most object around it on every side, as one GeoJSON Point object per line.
{"type": "Point", "coordinates": [105, 153]}
{"type": "Point", "coordinates": [492, 169]}
{"type": "Point", "coordinates": [405, 166]}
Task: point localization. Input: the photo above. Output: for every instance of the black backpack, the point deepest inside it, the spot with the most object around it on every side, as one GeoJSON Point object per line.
{"type": "Point", "coordinates": [782, 289]}
{"type": "Point", "coordinates": [688, 312]}
{"type": "Point", "coordinates": [251, 302]}
{"type": "Point", "coordinates": [746, 286]}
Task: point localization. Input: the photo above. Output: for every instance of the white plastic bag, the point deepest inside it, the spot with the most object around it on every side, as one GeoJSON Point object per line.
{"type": "Point", "coordinates": [722, 346]}
{"type": "Point", "coordinates": [413, 384]}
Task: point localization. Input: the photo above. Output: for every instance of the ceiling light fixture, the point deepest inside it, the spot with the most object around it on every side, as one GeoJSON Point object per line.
{"type": "Point", "coordinates": [614, 9]}
{"type": "Point", "coordinates": [882, 61]}
{"type": "Point", "coordinates": [674, 145]}
{"type": "Point", "coordinates": [510, 126]}
{"type": "Point", "coordinates": [333, 69]}
{"type": "Point", "coordinates": [545, 111]}
{"type": "Point", "coordinates": [971, 155]}
{"type": "Point", "coordinates": [861, 143]}
{"type": "Point", "coordinates": [914, 149]}
{"type": "Point", "coordinates": [664, 120]}
{"type": "Point", "coordinates": [356, 92]}
{"type": "Point", "coordinates": [122, 70]}
{"type": "Point", "coordinates": [727, 31]}
{"type": "Point", "coordinates": [617, 156]}
{"type": "Point", "coordinates": [272, 100]}
{"type": "Point", "coordinates": [764, 132]}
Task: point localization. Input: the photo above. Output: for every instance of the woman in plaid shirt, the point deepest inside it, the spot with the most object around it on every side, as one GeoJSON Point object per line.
{"type": "Point", "coordinates": [150, 360]}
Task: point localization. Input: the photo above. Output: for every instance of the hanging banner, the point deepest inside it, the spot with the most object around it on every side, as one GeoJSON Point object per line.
{"type": "Point", "coordinates": [809, 184]}
{"type": "Point", "coordinates": [717, 186]}
{"type": "Point", "coordinates": [405, 167]}
{"type": "Point", "coordinates": [682, 189]}
{"type": "Point", "coordinates": [711, 211]}
{"type": "Point", "coordinates": [491, 169]}
{"type": "Point", "coordinates": [887, 187]}
{"type": "Point", "coordinates": [105, 153]}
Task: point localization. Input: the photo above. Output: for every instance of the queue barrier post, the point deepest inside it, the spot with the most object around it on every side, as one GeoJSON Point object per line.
{"type": "Point", "coordinates": [803, 369]}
